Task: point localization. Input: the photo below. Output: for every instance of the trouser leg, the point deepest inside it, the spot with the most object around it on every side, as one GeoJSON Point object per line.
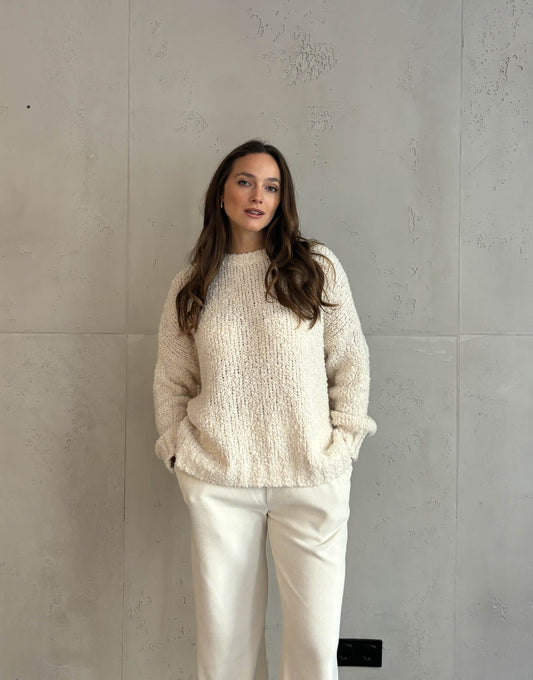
{"type": "Point", "coordinates": [308, 534]}
{"type": "Point", "coordinates": [228, 536]}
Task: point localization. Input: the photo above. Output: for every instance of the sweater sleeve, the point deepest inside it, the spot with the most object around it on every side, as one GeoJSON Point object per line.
{"type": "Point", "coordinates": [176, 375]}
{"type": "Point", "coordinates": [347, 361]}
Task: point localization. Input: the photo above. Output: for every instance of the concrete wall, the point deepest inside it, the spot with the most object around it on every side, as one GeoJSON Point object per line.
{"type": "Point", "coordinates": [408, 128]}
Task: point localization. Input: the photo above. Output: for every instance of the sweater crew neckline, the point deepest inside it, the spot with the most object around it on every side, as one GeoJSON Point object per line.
{"type": "Point", "coordinates": [246, 258]}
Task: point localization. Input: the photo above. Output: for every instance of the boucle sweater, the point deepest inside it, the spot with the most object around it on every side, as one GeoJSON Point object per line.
{"type": "Point", "coordinates": [254, 400]}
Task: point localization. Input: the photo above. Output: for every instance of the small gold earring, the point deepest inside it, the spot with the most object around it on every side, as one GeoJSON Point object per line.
{"type": "Point", "coordinates": [221, 204]}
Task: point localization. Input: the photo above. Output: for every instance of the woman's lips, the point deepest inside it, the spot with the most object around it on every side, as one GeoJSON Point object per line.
{"type": "Point", "coordinates": [255, 214]}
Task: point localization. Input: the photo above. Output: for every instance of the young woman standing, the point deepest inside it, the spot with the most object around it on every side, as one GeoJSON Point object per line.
{"type": "Point", "coordinates": [261, 392]}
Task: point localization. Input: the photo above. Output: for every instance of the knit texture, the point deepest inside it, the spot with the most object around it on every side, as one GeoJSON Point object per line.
{"type": "Point", "coordinates": [253, 399]}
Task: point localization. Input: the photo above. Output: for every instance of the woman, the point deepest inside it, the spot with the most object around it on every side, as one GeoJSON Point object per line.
{"type": "Point", "coordinates": [261, 392]}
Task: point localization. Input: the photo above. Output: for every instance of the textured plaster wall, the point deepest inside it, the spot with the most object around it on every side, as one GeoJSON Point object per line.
{"type": "Point", "coordinates": [408, 129]}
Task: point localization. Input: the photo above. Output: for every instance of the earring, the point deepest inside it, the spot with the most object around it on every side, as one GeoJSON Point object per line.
{"type": "Point", "coordinates": [221, 204]}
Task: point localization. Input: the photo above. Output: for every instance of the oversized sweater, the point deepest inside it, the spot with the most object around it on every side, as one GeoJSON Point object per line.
{"type": "Point", "coordinates": [252, 399]}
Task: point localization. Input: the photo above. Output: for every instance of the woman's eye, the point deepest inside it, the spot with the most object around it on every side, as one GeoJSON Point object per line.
{"type": "Point", "coordinates": [272, 189]}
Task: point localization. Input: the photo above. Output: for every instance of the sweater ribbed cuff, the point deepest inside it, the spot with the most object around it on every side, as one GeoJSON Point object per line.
{"type": "Point", "coordinates": [354, 439]}
{"type": "Point", "coordinates": [165, 448]}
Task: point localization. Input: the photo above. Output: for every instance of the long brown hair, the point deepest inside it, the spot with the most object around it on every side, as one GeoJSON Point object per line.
{"type": "Point", "coordinates": [297, 279]}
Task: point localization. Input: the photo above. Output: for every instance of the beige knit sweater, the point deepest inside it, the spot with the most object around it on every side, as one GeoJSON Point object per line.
{"type": "Point", "coordinates": [254, 400]}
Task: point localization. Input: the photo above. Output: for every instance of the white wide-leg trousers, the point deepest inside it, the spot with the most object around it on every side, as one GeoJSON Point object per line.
{"type": "Point", "coordinates": [307, 529]}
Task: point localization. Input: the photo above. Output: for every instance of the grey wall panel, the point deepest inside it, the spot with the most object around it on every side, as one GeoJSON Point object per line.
{"type": "Point", "coordinates": [495, 523]}
{"type": "Point", "coordinates": [497, 172]}
{"type": "Point", "coordinates": [401, 553]}
{"type": "Point", "coordinates": [373, 142]}
{"type": "Point", "coordinates": [61, 506]}
{"type": "Point", "coordinates": [195, 90]}
{"type": "Point", "coordinates": [382, 186]}
{"type": "Point", "coordinates": [159, 623]}
{"type": "Point", "coordinates": [63, 173]}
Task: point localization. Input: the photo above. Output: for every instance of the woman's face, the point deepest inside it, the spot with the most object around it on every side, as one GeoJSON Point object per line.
{"type": "Point", "coordinates": [251, 193]}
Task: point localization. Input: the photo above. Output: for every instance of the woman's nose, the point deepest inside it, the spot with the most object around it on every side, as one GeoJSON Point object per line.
{"type": "Point", "coordinates": [257, 195]}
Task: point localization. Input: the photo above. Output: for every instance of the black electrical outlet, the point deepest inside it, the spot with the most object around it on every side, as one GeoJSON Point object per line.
{"type": "Point", "coordinates": [351, 652]}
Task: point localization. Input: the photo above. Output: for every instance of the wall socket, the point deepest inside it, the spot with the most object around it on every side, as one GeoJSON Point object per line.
{"type": "Point", "coordinates": [355, 652]}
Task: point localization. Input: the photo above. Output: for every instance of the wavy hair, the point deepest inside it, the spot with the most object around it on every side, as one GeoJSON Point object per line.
{"type": "Point", "coordinates": [296, 278]}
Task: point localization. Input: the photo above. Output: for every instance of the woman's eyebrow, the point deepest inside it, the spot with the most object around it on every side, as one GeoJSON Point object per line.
{"type": "Point", "coordinates": [249, 174]}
